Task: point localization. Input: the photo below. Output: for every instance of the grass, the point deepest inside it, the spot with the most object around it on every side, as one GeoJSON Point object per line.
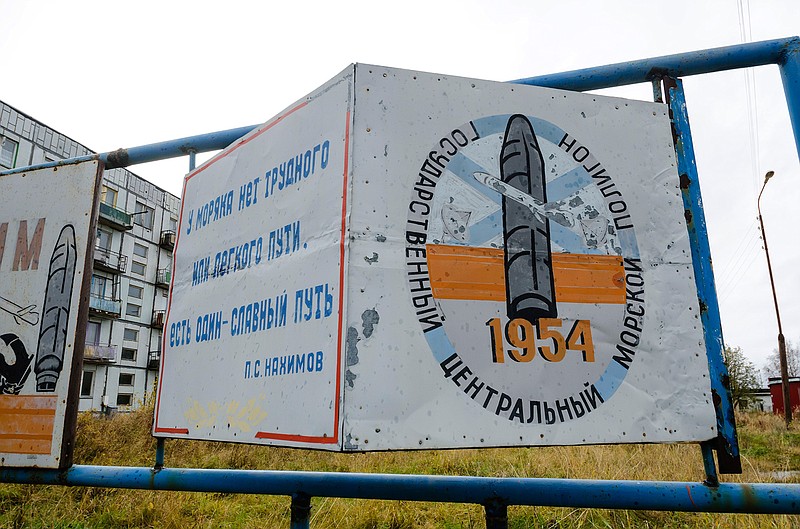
{"type": "Point", "coordinates": [125, 440]}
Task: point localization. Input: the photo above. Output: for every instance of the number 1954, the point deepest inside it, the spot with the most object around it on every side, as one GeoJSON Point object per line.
{"type": "Point", "coordinates": [521, 340]}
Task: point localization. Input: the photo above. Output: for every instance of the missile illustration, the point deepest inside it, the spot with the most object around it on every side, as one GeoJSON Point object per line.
{"type": "Point", "coordinates": [530, 292]}
{"type": "Point", "coordinates": [20, 313]}
{"type": "Point", "coordinates": [55, 312]}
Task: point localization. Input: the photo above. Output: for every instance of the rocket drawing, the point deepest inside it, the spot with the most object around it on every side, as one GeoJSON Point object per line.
{"type": "Point", "coordinates": [55, 312]}
{"type": "Point", "coordinates": [530, 293]}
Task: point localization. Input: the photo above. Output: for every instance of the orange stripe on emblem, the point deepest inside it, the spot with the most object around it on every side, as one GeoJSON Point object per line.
{"type": "Point", "coordinates": [463, 272]}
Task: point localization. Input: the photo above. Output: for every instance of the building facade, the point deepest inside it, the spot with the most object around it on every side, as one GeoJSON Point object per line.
{"type": "Point", "coordinates": [132, 264]}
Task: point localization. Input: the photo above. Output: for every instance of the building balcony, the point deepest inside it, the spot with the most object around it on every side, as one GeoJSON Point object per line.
{"type": "Point", "coordinates": [153, 359]}
{"type": "Point", "coordinates": [100, 353]}
{"type": "Point", "coordinates": [102, 306]}
{"type": "Point", "coordinates": [167, 240]}
{"type": "Point", "coordinates": [158, 319]}
{"type": "Point", "coordinates": [110, 261]}
{"type": "Point", "coordinates": [163, 277]}
{"type": "Point", "coordinates": [116, 218]}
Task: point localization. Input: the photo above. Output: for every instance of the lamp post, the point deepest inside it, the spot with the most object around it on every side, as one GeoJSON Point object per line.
{"type": "Point", "coordinates": [787, 406]}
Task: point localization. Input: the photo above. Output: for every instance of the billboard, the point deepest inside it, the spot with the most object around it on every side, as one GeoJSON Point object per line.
{"type": "Point", "coordinates": [408, 260]}
{"type": "Point", "coordinates": [46, 242]}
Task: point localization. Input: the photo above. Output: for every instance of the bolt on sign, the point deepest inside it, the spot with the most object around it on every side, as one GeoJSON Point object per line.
{"type": "Point", "coordinates": [46, 234]}
{"type": "Point", "coordinates": [403, 260]}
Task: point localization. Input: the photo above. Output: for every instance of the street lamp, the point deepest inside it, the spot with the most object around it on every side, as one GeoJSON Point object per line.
{"type": "Point", "coordinates": [787, 407]}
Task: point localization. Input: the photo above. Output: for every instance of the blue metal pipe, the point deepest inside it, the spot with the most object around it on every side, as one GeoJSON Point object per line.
{"type": "Point", "coordinates": [780, 51]}
{"type": "Point", "coordinates": [728, 454]}
{"type": "Point", "coordinates": [47, 165]}
{"type": "Point", "coordinates": [678, 65]}
{"type": "Point", "coordinates": [212, 141]}
{"type": "Point", "coordinates": [163, 150]}
{"type": "Point", "coordinates": [790, 74]}
{"type": "Point", "coordinates": [648, 495]}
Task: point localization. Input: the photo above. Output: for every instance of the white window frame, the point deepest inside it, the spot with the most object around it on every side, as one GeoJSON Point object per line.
{"type": "Point", "coordinates": [136, 333]}
{"type": "Point", "coordinates": [87, 394]}
{"type": "Point", "coordinates": [105, 193]}
{"type": "Point", "coordinates": [137, 289]}
{"type": "Point", "coordinates": [136, 312]}
{"type": "Point", "coordinates": [143, 247]}
{"type": "Point", "coordinates": [122, 354]}
{"type": "Point", "coordinates": [143, 265]}
{"type": "Point", "coordinates": [4, 141]}
{"type": "Point", "coordinates": [144, 215]}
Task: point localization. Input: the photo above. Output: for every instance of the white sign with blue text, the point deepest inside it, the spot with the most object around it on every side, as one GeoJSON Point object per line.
{"type": "Point", "coordinates": [251, 342]}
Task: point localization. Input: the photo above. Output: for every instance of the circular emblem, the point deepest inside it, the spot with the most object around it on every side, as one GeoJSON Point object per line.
{"type": "Point", "coordinates": [524, 269]}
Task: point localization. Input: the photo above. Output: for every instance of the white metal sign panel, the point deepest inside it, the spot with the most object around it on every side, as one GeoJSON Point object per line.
{"type": "Point", "coordinates": [520, 270]}
{"type": "Point", "coordinates": [253, 335]}
{"type": "Point", "coordinates": [45, 239]}
{"type": "Point", "coordinates": [488, 265]}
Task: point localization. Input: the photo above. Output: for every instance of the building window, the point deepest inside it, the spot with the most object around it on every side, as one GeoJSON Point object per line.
{"type": "Point", "coordinates": [109, 196]}
{"type": "Point", "coordinates": [138, 268]}
{"type": "Point", "coordinates": [93, 332]}
{"type": "Point", "coordinates": [8, 152]}
{"type": "Point", "coordinates": [134, 310]}
{"type": "Point", "coordinates": [124, 399]}
{"type": "Point", "coordinates": [140, 250]}
{"type": "Point", "coordinates": [143, 215]}
{"type": "Point", "coordinates": [135, 292]}
{"type": "Point", "coordinates": [86, 383]}
{"type": "Point", "coordinates": [131, 335]}
{"type": "Point", "coordinates": [129, 354]}
{"type": "Point", "coordinates": [126, 379]}
{"type": "Point", "coordinates": [173, 224]}
{"type": "Point", "coordinates": [103, 287]}
{"type": "Point", "coordinates": [103, 239]}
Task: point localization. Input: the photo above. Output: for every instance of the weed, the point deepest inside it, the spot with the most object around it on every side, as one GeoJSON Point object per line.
{"type": "Point", "coordinates": [125, 439]}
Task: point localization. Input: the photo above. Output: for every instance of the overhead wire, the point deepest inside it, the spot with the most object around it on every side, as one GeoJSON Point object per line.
{"type": "Point", "coordinates": [746, 254]}
{"type": "Point", "coordinates": [746, 35]}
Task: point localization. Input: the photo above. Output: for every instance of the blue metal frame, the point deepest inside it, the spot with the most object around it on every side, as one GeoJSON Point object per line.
{"type": "Point", "coordinates": [727, 443]}
{"type": "Point", "coordinates": [494, 492]}
{"type": "Point", "coordinates": [497, 493]}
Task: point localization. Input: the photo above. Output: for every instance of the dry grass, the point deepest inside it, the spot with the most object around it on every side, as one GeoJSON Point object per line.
{"type": "Point", "coordinates": [124, 440]}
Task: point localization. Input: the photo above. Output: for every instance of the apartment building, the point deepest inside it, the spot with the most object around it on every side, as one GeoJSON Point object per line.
{"type": "Point", "coordinates": [132, 264]}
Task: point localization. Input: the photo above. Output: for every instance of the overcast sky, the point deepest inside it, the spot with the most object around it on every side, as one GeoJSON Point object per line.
{"type": "Point", "coordinates": [122, 74]}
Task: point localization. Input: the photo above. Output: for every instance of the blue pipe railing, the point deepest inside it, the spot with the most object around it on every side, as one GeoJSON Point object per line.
{"type": "Point", "coordinates": [606, 494]}
{"type": "Point", "coordinates": [679, 65]}
{"type": "Point", "coordinates": [783, 52]}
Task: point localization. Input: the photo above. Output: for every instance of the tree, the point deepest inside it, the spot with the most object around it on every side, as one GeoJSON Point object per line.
{"type": "Point", "coordinates": [743, 377]}
{"type": "Point", "coordinates": [773, 365]}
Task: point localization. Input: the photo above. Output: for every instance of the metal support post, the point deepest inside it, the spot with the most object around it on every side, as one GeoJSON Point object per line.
{"type": "Point", "coordinates": [658, 94]}
{"type": "Point", "coordinates": [301, 509]}
{"type": "Point", "coordinates": [496, 514]}
{"type": "Point", "coordinates": [727, 444]}
{"type": "Point", "coordinates": [712, 480]}
{"type": "Point", "coordinates": [159, 454]}
{"type": "Point", "coordinates": [790, 75]}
